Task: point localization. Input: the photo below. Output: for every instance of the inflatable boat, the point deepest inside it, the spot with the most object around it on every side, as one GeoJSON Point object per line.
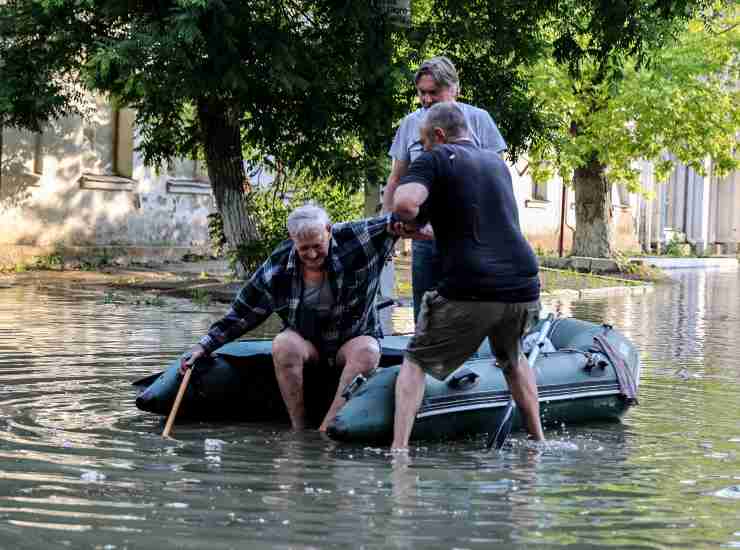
{"type": "Point", "coordinates": [587, 373]}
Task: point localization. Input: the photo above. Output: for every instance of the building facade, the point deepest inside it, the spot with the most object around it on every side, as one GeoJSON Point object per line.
{"type": "Point", "coordinates": [79, 189]}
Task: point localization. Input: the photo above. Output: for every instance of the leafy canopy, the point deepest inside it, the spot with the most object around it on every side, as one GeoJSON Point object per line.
{"type": "Point", "coordinates": [320, 83]}
{"type": "Point", "coordinates": [685, 100]}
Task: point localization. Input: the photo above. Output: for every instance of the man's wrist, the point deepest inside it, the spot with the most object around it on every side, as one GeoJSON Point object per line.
{"type": "Point", "coordinates": [207, 344]}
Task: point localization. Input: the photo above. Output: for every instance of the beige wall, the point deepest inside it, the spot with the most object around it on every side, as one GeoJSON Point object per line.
{"type": "Point", "coordinates": [80, 183]}
{"type": "Point", "coordinates": [540, 219]}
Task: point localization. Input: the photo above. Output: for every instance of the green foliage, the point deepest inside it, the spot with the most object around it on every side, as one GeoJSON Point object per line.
{"type": "Point", "coordinates": [272, 207]}
{"type": "Point", "coordinates": [302, 80]}
{"type": "Point", "coordinates": [684, 102]}
{"type": "Point", "coordinates": [200, 296]}
{"type": "Point", "coordinates": [677, 247]}
{"type": "Point", "coordinates": [216, 233]}
{"type": "Point", "coordinates": [94, 263]}
{"type": "Point", "coordinates": [53, 261]}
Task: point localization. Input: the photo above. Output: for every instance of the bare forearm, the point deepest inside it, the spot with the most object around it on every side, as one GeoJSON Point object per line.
{"type": "Point", "coordinates": [398, 170]}
{"type": "Point", "coordinates": [407, 201]}
{"type": "Point", "coordinates": [388, 192]}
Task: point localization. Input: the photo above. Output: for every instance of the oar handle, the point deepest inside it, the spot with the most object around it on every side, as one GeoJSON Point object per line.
{"type": "Point", "coordinates": [544, 331]}
{"type": "Point", "coordinates": [176, 404]}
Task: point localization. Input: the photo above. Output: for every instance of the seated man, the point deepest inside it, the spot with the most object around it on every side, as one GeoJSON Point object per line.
{"type": "Point", "coordinates": [322, 282]}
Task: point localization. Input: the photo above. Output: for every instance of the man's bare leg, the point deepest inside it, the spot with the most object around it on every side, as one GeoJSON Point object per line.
{"type": "Point", "coordinates": [409, 394]}
{"type": "Point", "coordinates": [289, 353]}
{"type": "Point", "coordinates": [359, 355]}
{"type": "Point", "coordinates": [523, 386]}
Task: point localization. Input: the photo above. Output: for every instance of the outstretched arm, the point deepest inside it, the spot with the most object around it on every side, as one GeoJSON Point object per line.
{"type": "Point", "coordinates": [251, 307]}
{"type": "Point", "coordinates": [408, 199]}
{"type": "Point", "coordinates": [398, 170]}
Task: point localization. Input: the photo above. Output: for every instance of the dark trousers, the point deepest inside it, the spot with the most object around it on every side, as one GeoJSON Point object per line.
{"type": "Point", "coordinates": [426, 270]}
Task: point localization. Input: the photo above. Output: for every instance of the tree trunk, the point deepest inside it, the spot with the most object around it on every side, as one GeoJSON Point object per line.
{"type": "Point", "coordinates": [373, 180]}
{"type": "Point", "coordinates": [223, 150]}
{"type": "Point", "coordinates": [594, 232]}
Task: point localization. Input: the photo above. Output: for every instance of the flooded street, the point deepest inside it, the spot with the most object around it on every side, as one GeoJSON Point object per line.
{"type": "Point", "coordinates": [81, 467]}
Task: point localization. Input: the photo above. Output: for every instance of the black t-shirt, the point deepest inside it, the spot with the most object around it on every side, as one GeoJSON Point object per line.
{"type": "Point", "coordinates": [474, 215]}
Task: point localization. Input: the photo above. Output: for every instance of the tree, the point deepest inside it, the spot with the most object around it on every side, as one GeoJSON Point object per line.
{"type": "Point", "coordinates": [301, 82]}
{"type": "Point", "coordinates": [613, 104]}
{"type": "Point", "coordinates": [313, 84]}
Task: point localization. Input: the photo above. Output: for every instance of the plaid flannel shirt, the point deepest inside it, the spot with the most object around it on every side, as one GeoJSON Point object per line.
{"type": "Point", "coordinates": [357, 254]}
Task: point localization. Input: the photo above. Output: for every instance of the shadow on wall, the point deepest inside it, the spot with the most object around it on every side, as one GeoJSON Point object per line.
{"type": "Point", "coordinates": [39, 180]}
{"type": "Point", "coordinates": [41, 199]}
{"type": "Point", "coordinates": [58, 190]}
{"type": "Point", "coordinates": [16, 181]}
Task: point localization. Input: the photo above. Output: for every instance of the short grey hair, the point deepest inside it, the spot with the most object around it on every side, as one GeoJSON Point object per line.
{"type": "Point", "coordinates": [306, 220]}
{"type": "Point", "coordinates": [441, 70]}
{"type": "Point", "coordinates": [448, 116]}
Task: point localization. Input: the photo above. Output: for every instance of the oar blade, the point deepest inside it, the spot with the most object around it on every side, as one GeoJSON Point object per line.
{"type": "Point", "coordinates": [176, 405]}
{"type": "Point", "coordinates": [498, 438]}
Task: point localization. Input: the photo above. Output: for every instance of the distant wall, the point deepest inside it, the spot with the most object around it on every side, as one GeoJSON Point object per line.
{"type": "Point", "coordinates": [540, 211]}
{"type": "Point", "coordinates": [81, 185]}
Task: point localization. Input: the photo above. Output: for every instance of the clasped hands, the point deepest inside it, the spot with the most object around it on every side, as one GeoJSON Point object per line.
{"type": "Point", "coordinates": [411, 230]}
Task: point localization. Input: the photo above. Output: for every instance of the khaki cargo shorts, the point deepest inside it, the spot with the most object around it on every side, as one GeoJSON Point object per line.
{"type": "Point", "coordinates": [448, 332]}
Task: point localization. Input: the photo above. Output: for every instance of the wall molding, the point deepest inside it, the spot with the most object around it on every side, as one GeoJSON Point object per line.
{"type": "Point", "coordinates": [104, 182]}
{"type": "Point", "coordinates": [536, 203]}
{"type": "Point", "coordinates": [185, 186]}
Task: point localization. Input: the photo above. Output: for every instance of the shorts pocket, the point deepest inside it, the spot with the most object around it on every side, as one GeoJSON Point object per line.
{"type": "Point", "coordinates": [432, 305]}
{"type": "Point", "coordinates": [435, 298]}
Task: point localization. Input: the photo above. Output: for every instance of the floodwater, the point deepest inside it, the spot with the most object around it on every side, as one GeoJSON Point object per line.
{"type": "Point", "coordinates": [81, 467]}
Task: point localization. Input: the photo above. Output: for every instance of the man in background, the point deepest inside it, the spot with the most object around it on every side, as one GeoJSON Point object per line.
{"type": "Point", "coordinates": [436, 81]}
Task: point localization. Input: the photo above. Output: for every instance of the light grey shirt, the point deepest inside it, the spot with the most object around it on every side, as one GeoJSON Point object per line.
{"type": "Point", "coordinates": [318, 297]}
{"type": "Point", "coordinates": [483, 130]}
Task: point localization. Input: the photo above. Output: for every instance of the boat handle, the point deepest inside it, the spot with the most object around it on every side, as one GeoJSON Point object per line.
{"type": "Point", "coordinates": [353, 386]}
{"type": "Point", "coordinates": [465, 377]}
{"type": "Point", "coordinates": [594, 362]}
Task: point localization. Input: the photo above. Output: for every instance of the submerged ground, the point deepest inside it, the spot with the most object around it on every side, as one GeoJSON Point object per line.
{"type": "Point", "coordinates": [83, 468]}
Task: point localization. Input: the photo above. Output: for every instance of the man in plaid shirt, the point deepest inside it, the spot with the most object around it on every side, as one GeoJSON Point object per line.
{"type": "Point", "coordinates": [322, 283]}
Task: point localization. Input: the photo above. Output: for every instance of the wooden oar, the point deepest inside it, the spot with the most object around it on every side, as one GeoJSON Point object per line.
{"type": "Point", "coordinates": [176, 404]}
{"type": "Point", "coordinates": [499, 436]}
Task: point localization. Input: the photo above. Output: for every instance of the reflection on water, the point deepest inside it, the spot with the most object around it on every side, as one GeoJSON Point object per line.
{"type": "Point", "coordinates": [81, 467]}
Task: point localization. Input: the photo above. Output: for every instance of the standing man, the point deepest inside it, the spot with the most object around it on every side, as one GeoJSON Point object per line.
{"type": "Point", "coordinates": [436, 81]}
{"type": "Point", "coordinates": [322, 282]}
{"type": "Point", "coordinates": [489, 273]}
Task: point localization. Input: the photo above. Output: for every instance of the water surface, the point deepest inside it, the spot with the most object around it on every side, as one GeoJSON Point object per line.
{"type": "Point", "coordinates": [81, 467]}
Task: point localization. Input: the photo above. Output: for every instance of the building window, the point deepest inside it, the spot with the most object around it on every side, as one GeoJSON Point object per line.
{"type": "Point", "coordinates": [188, 176]}
{"type": "Point", "coordinates": [107, 150]}
{"type": "Point", "coordinates": [539, 191]}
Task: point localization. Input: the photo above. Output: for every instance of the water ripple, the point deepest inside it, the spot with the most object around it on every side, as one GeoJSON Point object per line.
{"type": "Point", "coordinates": [81, 467]}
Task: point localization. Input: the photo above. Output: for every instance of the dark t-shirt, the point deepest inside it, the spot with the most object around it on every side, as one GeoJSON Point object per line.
{"type": "Point", "coordinates": [474, 214]}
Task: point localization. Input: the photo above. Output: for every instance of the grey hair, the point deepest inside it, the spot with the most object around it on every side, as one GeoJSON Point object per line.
{"type": "Point", "coordinates": [441, 70]}
{"type": "Point", "coordinates": [307, 219]}
{"type": "Point", "coordinates": [449, 117]}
